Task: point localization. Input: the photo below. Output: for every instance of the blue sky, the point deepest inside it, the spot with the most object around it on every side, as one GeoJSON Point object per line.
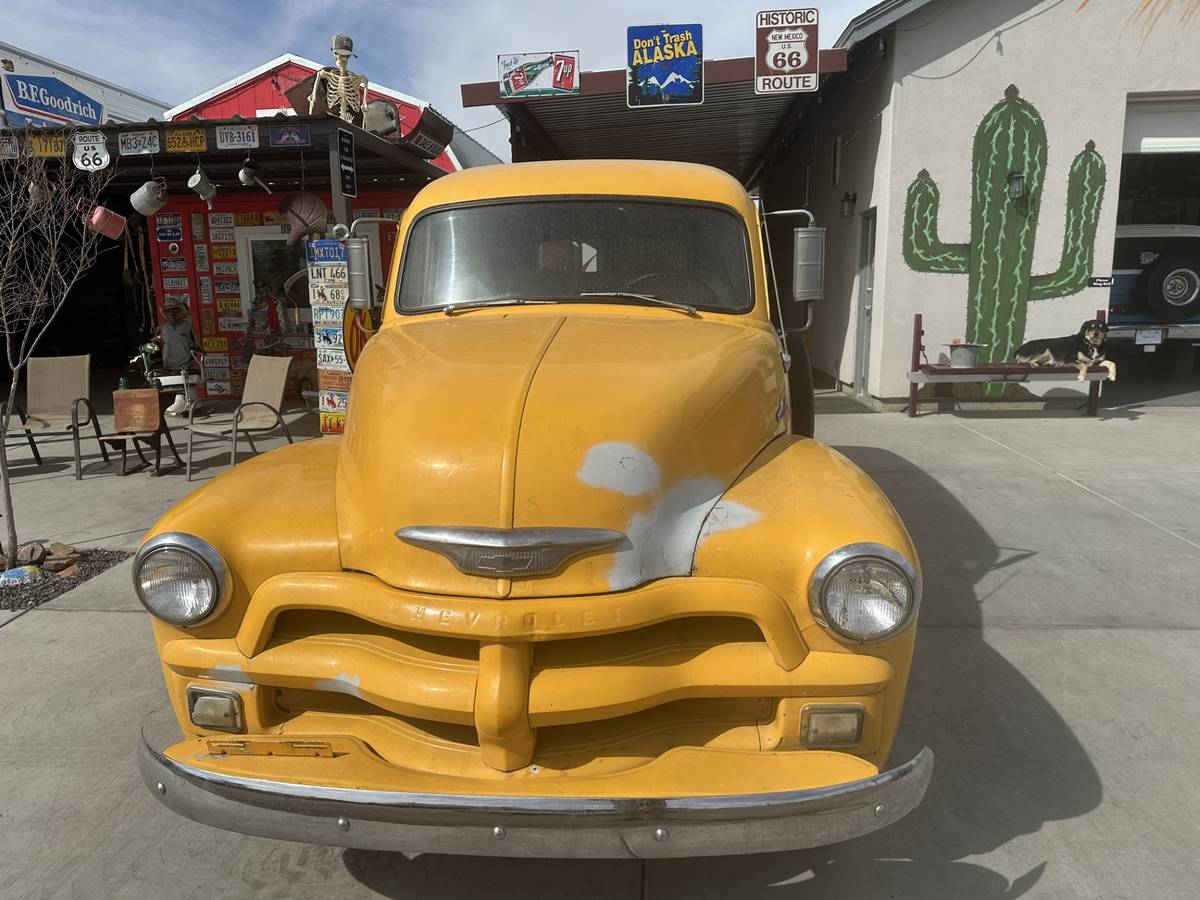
{"type": "Point", "coordinates": [174, 51]}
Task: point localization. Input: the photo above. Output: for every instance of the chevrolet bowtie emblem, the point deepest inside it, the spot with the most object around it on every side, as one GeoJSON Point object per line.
{"type": "Point", "coordinates": [509, 552]}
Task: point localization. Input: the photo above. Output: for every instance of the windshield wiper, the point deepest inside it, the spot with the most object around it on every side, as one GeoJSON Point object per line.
{"type": "Point", "coordinates": [649, 298]}
{"type": "Point", "coordinates": [452, 308]}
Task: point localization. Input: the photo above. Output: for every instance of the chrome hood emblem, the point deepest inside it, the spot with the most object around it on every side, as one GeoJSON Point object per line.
{"type": "Point", "coordinates": [509, 552]}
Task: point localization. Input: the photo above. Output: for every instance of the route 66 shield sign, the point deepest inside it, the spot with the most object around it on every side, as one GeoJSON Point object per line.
{"type": "Point", "coordinates": [90, 154]}
{"type": "Point", "coordinates": [787, 50]}
{"type": "Point", "coordinates": [785, 58]}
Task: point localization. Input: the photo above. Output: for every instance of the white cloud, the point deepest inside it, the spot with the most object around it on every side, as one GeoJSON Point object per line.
{"type": "Point", "coordinates": [175, 51]}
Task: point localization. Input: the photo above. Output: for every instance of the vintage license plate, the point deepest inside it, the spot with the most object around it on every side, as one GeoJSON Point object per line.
{"type": "Point", "coordinates": [137, 143]}
{"type": "Point", "coordinates": [237, 137]}
{"type": "Point", "coordinates": [1144, 336]}
{"type": "Point", "coordinates": [186, 140]}
{"type": "Point", "coordinates": [49, 146]}
{"type": "Point", "coordinates": [224, 251]}
{"type": "Point", "coordinates": [172, 264]}
{"type": "Point", "coordinates": [222, 236]}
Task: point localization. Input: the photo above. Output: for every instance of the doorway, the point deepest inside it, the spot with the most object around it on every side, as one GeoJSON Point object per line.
{"type": "Point", "coordinates": [866, 292]}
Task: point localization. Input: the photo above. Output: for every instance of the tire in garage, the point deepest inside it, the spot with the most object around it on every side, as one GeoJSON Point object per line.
{"type": "Point", "coordinates": [1171, 289]}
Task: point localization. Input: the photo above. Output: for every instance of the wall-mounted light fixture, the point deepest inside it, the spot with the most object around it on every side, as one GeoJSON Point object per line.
{"type": "Point", "coordinates": [1016, 184]}
{"type": "Point", "coordinates": [848, 201]}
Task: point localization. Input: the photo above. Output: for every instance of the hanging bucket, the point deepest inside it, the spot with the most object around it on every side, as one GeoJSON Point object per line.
{"type": "Point", "coordinates": [105, 222]}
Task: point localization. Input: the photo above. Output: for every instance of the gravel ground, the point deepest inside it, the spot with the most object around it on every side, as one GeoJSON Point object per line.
{"type": "Point", "coordinates": [48, 585]}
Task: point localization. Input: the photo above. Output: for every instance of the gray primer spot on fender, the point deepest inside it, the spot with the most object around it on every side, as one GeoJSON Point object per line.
{"type": "Point", "coordinates": [620, 467]}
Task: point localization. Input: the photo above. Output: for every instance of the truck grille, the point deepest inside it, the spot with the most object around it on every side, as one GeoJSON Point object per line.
{"type": "Point", "coordinates": [508, 683]}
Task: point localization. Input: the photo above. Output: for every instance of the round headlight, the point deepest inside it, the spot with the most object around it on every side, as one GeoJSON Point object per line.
{"type": "Point", "coordinates": [864, 592]}
{"type": "Point", "coordinates": [180, 578]}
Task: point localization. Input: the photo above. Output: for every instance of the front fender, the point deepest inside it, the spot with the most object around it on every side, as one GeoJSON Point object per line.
{"type": "Point", "coordinates": [796, 503]}
{"type": "Point", "coordinates": [272, 514]}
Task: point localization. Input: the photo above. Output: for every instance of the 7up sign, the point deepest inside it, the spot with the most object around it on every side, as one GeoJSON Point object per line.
{"type": "Point", "coordinates": [785, 58]}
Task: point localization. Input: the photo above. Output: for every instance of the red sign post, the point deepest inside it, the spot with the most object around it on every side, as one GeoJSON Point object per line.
{"type": "Point", "coordinates": [785, 57]}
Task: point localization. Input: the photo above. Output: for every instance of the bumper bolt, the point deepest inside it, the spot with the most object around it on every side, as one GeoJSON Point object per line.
{"type": "Point", "coordinates": [880, 809]}
{"type": "Point", "coordinates": [343, 824]}
{"type": "Point", "coordinates": [661, 834]}
{"type": "Point", "coordinates": [498, 831]}
{"type": "Point", "coordinates": [160, 787]}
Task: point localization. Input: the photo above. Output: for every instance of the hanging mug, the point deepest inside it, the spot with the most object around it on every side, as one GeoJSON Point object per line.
{"type": "Point", "coordinates": [201, 185]}
{"type": "Point", "coordinates": [105, 222]}
{"type": "Point", "coordinates": [150, 197]}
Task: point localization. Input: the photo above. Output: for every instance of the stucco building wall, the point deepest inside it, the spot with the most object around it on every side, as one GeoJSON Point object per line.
{"type": "Point", "coordinates": [946, 67]}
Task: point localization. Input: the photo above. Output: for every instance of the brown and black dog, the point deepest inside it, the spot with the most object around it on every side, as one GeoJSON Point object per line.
{"type": "Point", "coordinates": [1080, 350]}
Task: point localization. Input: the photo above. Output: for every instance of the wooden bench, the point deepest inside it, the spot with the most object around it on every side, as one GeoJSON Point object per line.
{"type": "Point", "coordinates": [939, 373]}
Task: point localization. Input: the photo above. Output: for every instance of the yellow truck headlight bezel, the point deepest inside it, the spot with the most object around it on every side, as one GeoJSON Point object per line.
{"type": "Point", "coordinates": [171, 564]}
{"type": "Point", "coordinates": [868, 558]}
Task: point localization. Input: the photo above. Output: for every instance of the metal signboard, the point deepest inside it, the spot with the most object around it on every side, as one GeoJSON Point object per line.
{"type": "Point", "coordinates": [228, 287]}
{"type": "Point", "coordinates": [206, 291]}
{"type": "Point", "coordinates": [215, 344]}
{"type": "Point", "coordinates": [49, 146]}
{"type": "Point", "coordinates": [222, 236]}
{"type": "Point", "coordinates": [237, 137]}
{"type": "Point", "coordinates": [289, 136]}
{"type": "Point", "coordinates": [175, 283]}
{"type": "Point", "coordinates": [247, 218]}
{"type": "Point", "coordinates": [90, 153]}
{"type": "Point", "coordinates": [200, 251]}
{"type": "Point", "coordinates": [172, 264]}
{"type": "Point", "coordinates": [9, 148]}
{"type": "Point", "coordinates": [785, 54]}
{"type": "Point", "coordinates": [186, 140]}
{"type": "Point", "coordinates": [198, 226]}
{"type": "Point", "coordinates": [664, 65]}
{"type": "Point", "coordinates": [168, 233]}
{"type": "Point", "coordinates": [165, 219]}
{"type": "Point", "coordinates": [220, 220]}
{"type": "Point", "coordinates": [138, 143]}
{"type": "Point", "coordinates": [39, 99]}
{"type": "Point", "coordinates": [550, 74]}
{"type": "Point", "coordinates": [225, 268]}
{"type": "Point", "coordinates": [349, 180]}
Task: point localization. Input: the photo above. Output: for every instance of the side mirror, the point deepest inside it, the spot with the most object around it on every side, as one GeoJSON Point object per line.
{"type": "Point", "coordinates": [358, 273]}
{"type": "Point", "coordinates": [808, 264]}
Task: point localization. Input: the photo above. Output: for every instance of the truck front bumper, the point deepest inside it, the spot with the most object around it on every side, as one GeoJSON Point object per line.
{"type": "Point", "coordinates": [538, 826]}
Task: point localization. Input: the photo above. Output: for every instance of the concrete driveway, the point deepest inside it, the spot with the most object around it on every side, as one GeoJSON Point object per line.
{"type": "Point", "coordinates": [1055, 678]}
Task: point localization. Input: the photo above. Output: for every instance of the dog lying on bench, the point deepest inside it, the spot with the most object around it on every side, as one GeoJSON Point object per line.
{"type": "Point", "coordinates": [1086, 348]}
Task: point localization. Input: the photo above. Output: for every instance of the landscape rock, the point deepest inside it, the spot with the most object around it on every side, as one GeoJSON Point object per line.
{"type": "Point", "coordinates": [30, 554]}
{"type": "Point", "coordinates": [58, 563]}
{"type": "Point", "coordinates": [59, 549]}
{"type": "Point", "coordinates": [68, 572]}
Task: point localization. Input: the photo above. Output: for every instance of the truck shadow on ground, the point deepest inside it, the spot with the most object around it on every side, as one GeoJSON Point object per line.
{"type": "Point", "coordinates": [1007, 763]}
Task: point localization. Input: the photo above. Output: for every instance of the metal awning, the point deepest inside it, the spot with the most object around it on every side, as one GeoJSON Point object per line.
{"type": "Point", "coordinates": [379, 163]}
{"type": "Point", "coordinates": [731, 129]}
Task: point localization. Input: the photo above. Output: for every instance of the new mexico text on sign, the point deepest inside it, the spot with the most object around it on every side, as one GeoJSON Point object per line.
{"type": "Point", "coordinates": [785, 53]}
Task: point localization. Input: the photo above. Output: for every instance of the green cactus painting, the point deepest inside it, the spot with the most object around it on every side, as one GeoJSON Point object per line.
{"type": "Point", "coordinates": [998, 260]}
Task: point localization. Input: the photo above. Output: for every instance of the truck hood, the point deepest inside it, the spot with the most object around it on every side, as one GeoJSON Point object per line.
{"type": "Point", "coordinates": [633, 423]}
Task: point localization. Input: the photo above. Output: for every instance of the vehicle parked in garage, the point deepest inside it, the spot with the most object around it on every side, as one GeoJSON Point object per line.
{"type": "Point", "coordinates": [568, 585]}
{"type": "Point", "coordinates": [1154, 302]}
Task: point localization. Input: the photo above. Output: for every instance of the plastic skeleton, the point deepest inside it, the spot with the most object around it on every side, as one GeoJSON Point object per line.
{"type": "Point", "coordinates": [345, 91]}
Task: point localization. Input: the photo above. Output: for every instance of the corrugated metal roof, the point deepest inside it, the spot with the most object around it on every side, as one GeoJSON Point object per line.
{"type": "Point", "coordinates": [727, 130]}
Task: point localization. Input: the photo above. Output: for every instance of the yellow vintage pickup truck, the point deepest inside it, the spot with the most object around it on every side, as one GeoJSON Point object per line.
{"type": "Point", "coordinates": [568, 586]}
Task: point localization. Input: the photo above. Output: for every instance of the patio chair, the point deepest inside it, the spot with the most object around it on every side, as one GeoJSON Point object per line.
{"type": "Point", "coordinates": [56, 389]}
{"type": "Point", "coordinates": [257, 413]}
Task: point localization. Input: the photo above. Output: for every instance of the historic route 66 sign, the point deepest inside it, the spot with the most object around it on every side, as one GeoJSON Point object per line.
{"type": "Point", "coordinates": [90, 154]}
{"type": "Point", "coordinates": [786, 57]}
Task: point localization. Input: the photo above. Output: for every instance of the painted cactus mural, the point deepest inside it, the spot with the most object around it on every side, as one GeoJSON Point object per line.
{"type": "Point", "coordinates": [998, 260]}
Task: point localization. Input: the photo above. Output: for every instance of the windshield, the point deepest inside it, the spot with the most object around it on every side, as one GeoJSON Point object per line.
{"type": "Point", "coordinates": [595, 251]}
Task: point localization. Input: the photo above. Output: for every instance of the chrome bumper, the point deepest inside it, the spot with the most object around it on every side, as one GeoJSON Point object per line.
{"type": "Point", "coordinates": [538, 826]}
